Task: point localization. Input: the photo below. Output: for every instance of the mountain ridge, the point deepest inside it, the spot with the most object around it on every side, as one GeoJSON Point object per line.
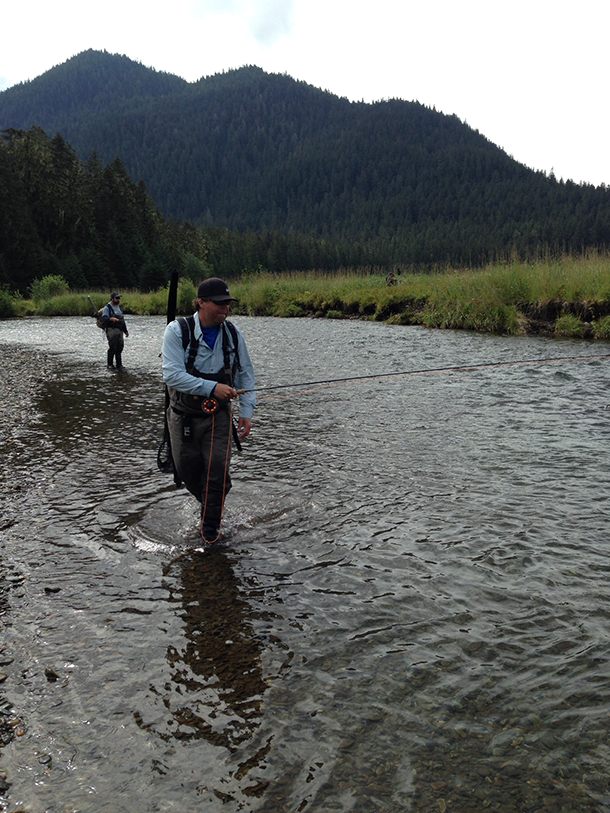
{"type": "Point", "coordinates": [248, 150]}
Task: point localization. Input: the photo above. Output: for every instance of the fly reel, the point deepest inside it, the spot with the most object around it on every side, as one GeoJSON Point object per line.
{"type": "Point", "coordinates": [210, 406]}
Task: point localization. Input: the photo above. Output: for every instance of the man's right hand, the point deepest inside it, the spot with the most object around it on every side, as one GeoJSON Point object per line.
{"type": "Point", "coordinates": [222, 392]}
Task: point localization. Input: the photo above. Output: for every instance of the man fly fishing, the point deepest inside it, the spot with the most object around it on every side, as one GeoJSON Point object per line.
{"type": "Point", "coordinates": [113, 321]}
{"type": "Point", "coordinates": [205, 362]}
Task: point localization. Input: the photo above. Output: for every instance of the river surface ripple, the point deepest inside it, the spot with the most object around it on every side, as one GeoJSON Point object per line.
{"type": "Point", "coordinates": [409, 612]}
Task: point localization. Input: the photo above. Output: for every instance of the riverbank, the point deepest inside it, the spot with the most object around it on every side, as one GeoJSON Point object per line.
{"type": "Point", "coordinates": [567, 297]}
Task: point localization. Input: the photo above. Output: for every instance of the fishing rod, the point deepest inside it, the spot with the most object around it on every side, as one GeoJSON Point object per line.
{"type": "Point", "coordinates": [172, 297]}
{"type": "Point", "coordinates": [97, 313]}
{"type": "Point", "coordinates": [427, 371]}
{"type": "Point", "coordinates": [95, 310]}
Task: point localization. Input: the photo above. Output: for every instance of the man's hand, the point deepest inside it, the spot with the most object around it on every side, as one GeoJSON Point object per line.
{"type": "Point", "coordinates": [222, 392]}
{"type": "Point", "coordinates": [243, 428]}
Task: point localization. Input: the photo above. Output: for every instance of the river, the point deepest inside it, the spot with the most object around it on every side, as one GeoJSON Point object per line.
{"type": "Point", "coordinates": [409, 610]}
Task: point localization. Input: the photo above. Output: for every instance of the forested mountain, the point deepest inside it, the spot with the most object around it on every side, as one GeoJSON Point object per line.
{"type": "Point", "coordinates": [250, 151]}
{"type": "Point", "coordinates": [94, 226]}
{"type": "Point", "coordinates": [90, 84]}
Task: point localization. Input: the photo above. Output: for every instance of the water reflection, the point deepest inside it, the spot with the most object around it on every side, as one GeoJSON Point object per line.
{"type": "Point", "coordinates": [217, 679]}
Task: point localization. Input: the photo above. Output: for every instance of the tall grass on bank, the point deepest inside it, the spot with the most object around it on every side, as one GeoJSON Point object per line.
{"type": "Point", "coordinates": [508, 298]}
{"type": "Point", "coordinates": [76, 303]}
{"type": "Point", "coordinates": [570, 297]}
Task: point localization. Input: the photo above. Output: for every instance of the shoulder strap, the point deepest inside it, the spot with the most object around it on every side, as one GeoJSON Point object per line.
{"type": "Point", "coordinates": [185, 332]}
{"type": "Point", "coordinates": [225, 346]}
{"type": "Point", "coordinates": [187, 326]}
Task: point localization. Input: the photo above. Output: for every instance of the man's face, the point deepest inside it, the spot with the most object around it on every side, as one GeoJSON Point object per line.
{"type": "Point", "coordinates": [213, 313]}
{"type": "Point", "coordinates": [116, 300]}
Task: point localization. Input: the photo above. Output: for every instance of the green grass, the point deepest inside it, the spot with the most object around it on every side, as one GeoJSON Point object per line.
{"type": "Point", "coordinates": [76, 303]}
{"type": "Point", "coordinates": [570, 325]}
{"type": "Point", "coordinates": [566, 297]}
{"type": "Point", "coordinates": [506, 298]}
{"type": "Point", "coordinates": [601, 328]}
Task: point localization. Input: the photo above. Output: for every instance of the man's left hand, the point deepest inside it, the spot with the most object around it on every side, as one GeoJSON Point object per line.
{"type": "Point", "coordinates": [243, 428]}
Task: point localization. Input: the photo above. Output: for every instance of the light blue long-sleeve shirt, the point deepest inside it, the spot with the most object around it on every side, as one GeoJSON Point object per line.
{"type": "Point", "coordinates": [207, 360]}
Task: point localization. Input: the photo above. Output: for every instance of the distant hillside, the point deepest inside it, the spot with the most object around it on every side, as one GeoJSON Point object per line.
{"type": "Point", "coordinates": [251, 151]}
{"type": "Point", "coordinates": [90, 84]}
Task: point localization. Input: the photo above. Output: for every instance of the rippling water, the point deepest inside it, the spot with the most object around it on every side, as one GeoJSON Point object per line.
{"type": "Point", "coordinates": [409, 612]}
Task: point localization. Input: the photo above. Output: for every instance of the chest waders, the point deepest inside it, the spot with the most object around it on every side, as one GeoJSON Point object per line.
{"type": "Point", "coordinates": [200, 430]}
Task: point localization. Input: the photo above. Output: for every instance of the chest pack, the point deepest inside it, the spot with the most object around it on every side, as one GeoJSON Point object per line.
{"type": "Point", "coordinates": [189, 340]}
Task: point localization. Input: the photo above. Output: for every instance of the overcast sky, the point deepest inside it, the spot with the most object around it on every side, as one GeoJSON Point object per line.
{"type": "Point", "coordinates": [531, 75]}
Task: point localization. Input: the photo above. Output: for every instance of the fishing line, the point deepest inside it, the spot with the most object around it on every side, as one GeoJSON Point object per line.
{"type": "Point", "coordinates": [426, 371]}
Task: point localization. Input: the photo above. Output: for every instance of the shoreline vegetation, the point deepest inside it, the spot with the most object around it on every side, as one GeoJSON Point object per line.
{"type": "Point", "coordinates": [567, 297]}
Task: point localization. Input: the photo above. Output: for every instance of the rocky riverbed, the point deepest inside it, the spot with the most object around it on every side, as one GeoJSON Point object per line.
{"type": "Point", "coordinates": [22, 373]}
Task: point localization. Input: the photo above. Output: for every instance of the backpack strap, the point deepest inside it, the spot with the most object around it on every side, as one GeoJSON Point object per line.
{"type": "Point", "coordinates": [187, 326]}
{"type": "Point", "coordinates": [230, 369]}
{"type": "Point", "coordinates": [104, 321]}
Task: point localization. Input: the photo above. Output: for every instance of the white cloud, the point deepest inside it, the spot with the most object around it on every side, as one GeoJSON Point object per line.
{"type": "Point", "coordinates": [272, 19]}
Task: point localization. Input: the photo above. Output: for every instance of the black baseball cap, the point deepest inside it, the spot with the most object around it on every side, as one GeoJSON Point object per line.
{"type": "Point", "coordinates": [114, 295]}
{"type": "Point", "coordinates": [215, 289]}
